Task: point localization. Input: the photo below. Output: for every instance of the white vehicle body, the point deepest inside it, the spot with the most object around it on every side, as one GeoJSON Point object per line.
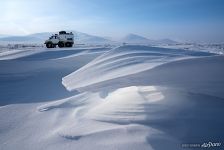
{"type": "Point", "coordinates": [62, 39]}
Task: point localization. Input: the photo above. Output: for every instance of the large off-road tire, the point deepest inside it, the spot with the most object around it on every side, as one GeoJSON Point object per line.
{"type": "Point", "coordinates": [49, 45]}
{"type": "Point", "coordinates": [71, 44]}
{"type": "Point", "coordinates": [68, 44]}
{"type": "Point", "coordinates": [61, 44]}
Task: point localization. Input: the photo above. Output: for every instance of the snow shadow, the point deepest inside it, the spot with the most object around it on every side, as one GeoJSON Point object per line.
{"type": "Point", "coordinates": [38, 77]}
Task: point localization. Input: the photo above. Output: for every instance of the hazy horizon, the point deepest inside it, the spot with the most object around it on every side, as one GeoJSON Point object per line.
{"type": "Point", "coordinates": [189, 20]}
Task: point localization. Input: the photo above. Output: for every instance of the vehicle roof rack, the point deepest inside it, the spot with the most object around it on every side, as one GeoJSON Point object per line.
{"type": "Point", "coordinates": [62, 32]}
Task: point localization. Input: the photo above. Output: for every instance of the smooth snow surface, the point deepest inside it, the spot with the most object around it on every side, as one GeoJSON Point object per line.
{"type": "Point", "coordinates": [125, 98]}
{"type": "Point", "coordinates": [36, 77]}
{"type": "Point", "coordinates": [123, 61]}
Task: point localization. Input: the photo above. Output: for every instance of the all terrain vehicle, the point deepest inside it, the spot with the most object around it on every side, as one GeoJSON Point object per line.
{"type": "Point", "coordinates": [63, 39]}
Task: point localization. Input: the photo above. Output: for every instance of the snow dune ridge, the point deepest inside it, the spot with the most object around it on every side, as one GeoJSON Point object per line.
{"type": "Point", "coordinates": [123, 61]}
{"type": "Point", "coordinates": [131, 97]}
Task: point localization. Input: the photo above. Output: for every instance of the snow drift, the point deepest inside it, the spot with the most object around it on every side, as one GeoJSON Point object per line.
{"type": "Point", "coordinates": [124, 61]}
{"type": "Point", "coordinates": [131, 97]}
{"type": "Point", "coordinates": [29, 76]}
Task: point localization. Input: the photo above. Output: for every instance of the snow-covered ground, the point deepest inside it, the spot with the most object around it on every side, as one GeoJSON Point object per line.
{"type": "Point", "coordinates": [214, 48]}
{"type": "Point", "coordinates": [122, 98]}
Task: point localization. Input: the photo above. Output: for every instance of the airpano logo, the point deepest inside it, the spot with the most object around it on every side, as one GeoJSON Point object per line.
{"type": "Point", "coordinates": [211, 144]}
{"type": "Point", "coordinates": [203, 145]}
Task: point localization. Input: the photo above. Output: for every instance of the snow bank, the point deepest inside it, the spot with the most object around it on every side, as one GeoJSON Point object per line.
{"type": "Point", "coordinates": [143, 116]}
{"type": "Point", "coordinates": [35, 76]}
{"type": "Point", "coordinates": [14, 54]}
{"type": "Point", "coordinates": [200, 75]}
{"type": "Point", "coordinates": [123, 61]}
{"type": "Point", "coordinates": [132, 97]}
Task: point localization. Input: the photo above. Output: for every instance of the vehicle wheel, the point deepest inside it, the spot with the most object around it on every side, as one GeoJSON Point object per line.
{"type": "Point", "coordinates": [68, 44]}
{"type": "Point", "coordinates": [49, 45]}
{"type": "Point", "coordinates": [61, 44]}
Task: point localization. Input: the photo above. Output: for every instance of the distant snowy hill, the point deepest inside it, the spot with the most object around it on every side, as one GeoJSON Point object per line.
{"type": "Point", "coordinates": [20, 39]}
{"type": "Point", "coordinates": [3, 35]}
{"type": "Point", "coordinates": [167, 41]}
{"type": "Point", "coordinates": [41, 37]}
{"type": "Point", "coordinates": [86, 38]}
{"type": "Point", "coordinates": [137, 39]}
{"type": "Point", "coordinates": [32, 38]}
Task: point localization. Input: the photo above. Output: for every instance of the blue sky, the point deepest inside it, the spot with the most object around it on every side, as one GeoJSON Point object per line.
{"type": "Point", "coordinates": [192, 20]}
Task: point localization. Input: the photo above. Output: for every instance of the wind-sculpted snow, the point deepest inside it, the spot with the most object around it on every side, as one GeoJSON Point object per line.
{"type": "Point", "coordinates": [131, 97]}
{"type": "Point", "coordinates": [123, 61]}
{"type": "Point", "coordinates": [153, 114]}
{"type": "Point", "coordinates": [29, 76]}
{"type": "Point", "coordinates": [199, 75]}
{"type": "Point", "coordinates": [14, 54]}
